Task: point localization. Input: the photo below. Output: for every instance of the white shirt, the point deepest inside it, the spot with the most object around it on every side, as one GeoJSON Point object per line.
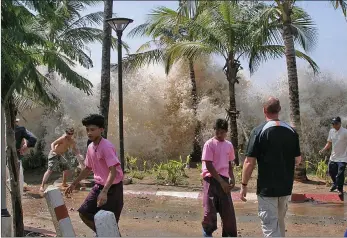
{"type": "Point", "coordinates": [339, 144]}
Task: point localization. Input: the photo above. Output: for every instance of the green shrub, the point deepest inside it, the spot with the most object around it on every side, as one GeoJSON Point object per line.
{"type": "Point", "coordinates": [238, 174]}
{"type": "Point", "coordinates": [322, 170]}
{"type": "Point", "coordinates": [157, 171]}
{"type": "Point", "coordinates": [131, 163]}
{"type": "Point", "coordinates": [137, 174]}
{"type": "Point", "coordinates": [174, 171]}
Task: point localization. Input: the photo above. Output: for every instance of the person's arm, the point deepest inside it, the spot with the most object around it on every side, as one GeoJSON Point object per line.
{"type": "Point", "coordinates": [112, 161]}
{"type": "Point", "coordinates": [252, 153]}
{"type": "Point", "coordinates": [24, 142]}
{"type": "Point", "coordinates": [75, 149]}
{"type": "Point", "coordinates": [298, 160]}
{"type": "Point", "coordinates": [84, 173]}
{"type": "Point", "coordinates": [31, 139]}
{"type": "Point", "coordinates": [23, 147]}
{"type": "Point", "coordinates": [231, 166]}
{"type": "Point", "coordinates": [326, 147]}
{"type": "Point", "coordinates": [231, 174]}
{"type": "Point", "coordinates": [328, 144]}
{"type": "Point", "coordinates": [110, 179]}
{"type": "Point", "coordinates": [56, 142]}
{"type": "Point", "coordinates": [248, 167]}
{"type": "Point", "coordinates": [213, 171]}
{"type": "Point", "coordinates": [78, 154]}
{"type": "Point", "coordinates": [297, 151]}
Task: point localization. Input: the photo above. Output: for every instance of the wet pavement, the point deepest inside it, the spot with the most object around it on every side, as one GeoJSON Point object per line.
{"type": "Point", "coordinates": [167, 216]}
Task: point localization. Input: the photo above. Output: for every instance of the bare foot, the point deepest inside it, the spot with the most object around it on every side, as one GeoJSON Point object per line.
{"type": "Point", "coordinates": [42, 189]}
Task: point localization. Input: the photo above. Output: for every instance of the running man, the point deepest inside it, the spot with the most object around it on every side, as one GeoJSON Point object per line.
{"type": "Point", "coordinates": [337, 140]}
{"type": "Point", "coordinates": [57, 161]}
{"type": "Point", "coordinates": [275, 146]}
{"type": "Point", "coordinates": [24, 140]}
{"type": "Point", "coordinates": [218, 180]}
{"type": "Point", "coordinates": [101, 158]}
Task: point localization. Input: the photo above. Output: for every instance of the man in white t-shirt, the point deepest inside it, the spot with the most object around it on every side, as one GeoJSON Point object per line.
{"type": "Point", "coordinates": [337, 140]}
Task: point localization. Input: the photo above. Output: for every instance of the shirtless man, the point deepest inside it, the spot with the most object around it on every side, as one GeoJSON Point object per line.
{"type": "Point", "coordinates": [56, 160]}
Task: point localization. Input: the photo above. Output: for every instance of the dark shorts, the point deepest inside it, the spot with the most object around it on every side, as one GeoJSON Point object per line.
{"type": "Point", "coordinates": [215, 200]}
{"type": "Point", "coordinates": [114, 201]}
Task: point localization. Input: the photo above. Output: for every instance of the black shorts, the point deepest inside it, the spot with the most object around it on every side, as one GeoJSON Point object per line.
{"type": "Point", "coordinates": [114, 201]}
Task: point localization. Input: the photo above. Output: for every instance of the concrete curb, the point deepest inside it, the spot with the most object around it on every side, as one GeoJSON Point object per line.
{"type": "Point", "coordinates": [321, 197]}
{"type": "Point", "coordinates": [326, 197]}
{"type": "Point", "coordinates": [296, 197]}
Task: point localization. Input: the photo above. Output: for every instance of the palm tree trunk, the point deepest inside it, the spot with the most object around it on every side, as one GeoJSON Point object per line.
{"type": "Point", "coordinates": [232, 69]}
{"type": "Point", "coordinates": [196, 154]}
{"type": "Point", "coordinates": [13, 166]}
{"type": "Point", "coordinates": [105, 65]}
{"type": "Point", "coordinates": [300, 171]}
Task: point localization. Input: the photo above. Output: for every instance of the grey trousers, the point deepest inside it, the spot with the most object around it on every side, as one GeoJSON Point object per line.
{"type": "Point", "coordinates": [272, 211]}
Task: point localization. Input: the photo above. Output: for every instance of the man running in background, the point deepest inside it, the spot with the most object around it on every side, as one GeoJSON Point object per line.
{"type": "Point", "coordinates": [337, 141]}
{"type": "Point", "coordinates": [56, 160]}
{"type": "Point", "coordinates": [24, 140]}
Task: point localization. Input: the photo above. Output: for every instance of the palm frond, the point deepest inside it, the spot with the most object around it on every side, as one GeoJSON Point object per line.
{"type": "Point", "coordinates": [76, 54]}
{"type": "Point", "coordinates": [114, 45]}
{"type": "Point", "coordinates": [139, 30]}
{"type": "Point", "coordinates": [58, 63]}
{"type": "Point", "coordinates": [82, 35]}
{"type": "Point", "coordinates": [304, 29]}
{"type": "Point", "coordinates": [340, 4]}
{"type": "Point", "coordinates": [136, 61]}
{"type": "Point", "coordinates": [190, 50]}
{"type": "Point", "coordinates": [91, 19]}
{"type": "Point", "coordinates": [147, 46]}
{"type": "Point", "coordinates": [267, 52]}
{"type": "Point", "coordinates": [308, 59]}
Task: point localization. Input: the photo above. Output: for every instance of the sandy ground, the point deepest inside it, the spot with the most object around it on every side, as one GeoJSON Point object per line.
{"type": "Point", "coordinates": [164, 216]}
{"type": "Point", "coordinates": [167, 216]}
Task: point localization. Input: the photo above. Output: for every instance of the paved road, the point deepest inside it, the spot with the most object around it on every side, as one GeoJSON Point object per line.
{"type": "Point", "coordinates": [160, 216]}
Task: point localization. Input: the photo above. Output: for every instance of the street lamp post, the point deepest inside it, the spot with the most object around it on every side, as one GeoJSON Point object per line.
{"type": "Point", "coordinates": [6, 221]}
{"type": "Point", "coordinates": [118, 25]}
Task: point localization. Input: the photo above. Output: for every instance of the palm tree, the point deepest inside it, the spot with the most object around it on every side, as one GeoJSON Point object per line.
{"type": "Point", "coordinates": [234, 30]}
{"type": "Point", "coordinates": [166, 27]}
{"type": "Point", "coordinates": [75, 32]}
{"type": "Point", "coordinates": [55, 38]}
{"type": "Point", "coordinates": [105, 65]}
{"type": "Point", "coordinates": [293, 25]}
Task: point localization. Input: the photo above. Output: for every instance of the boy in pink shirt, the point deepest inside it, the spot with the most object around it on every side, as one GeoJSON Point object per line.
{"type": "Point", "coordinates": [101, 158]}
{"type": "Point", "coordinates": [218, 180]}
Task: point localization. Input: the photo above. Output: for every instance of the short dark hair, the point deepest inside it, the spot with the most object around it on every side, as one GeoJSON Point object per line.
{"type": "Point", "coordinates": [69, 130]}
{"type": "Point", "coordinates": [94, 119]}
{"type": "Point", "coordinates": [221, 124]}
{"type": "Point", "coordinates": [336, 120]}
{"type": "Point", "coordinates": [272, 105]}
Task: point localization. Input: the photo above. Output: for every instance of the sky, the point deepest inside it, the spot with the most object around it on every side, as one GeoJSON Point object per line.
{"type": "Point", "coordinates": [330, 52]}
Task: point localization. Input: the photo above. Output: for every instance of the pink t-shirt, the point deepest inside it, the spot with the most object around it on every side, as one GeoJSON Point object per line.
{"type": "Point", "coordinates": [220, 153]}
{"type": "Point", "coordinates": [100, 158]}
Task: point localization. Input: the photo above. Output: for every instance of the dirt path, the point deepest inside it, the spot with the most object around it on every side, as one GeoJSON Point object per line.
{"type": "Point", "coordinates": [159, 216]}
